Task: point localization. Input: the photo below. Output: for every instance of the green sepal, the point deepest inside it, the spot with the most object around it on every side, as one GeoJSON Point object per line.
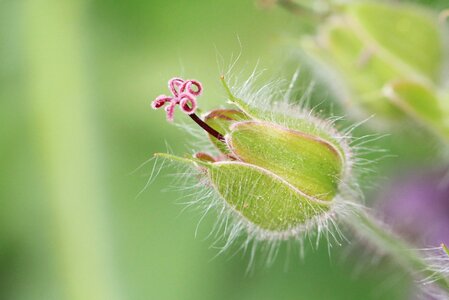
{"type": "Point", "coordinates": [421, 103]}
{"type": "Point", "coordinates": [300, 123]}
{"type": "Point", "coordinates": [184, 160]}
{"type": "Point", "coordinates": [262, 197]}
{"type": "Point", "coordinates": [221, 120]}
{"type": "Point", "coordinates": [311, 164]}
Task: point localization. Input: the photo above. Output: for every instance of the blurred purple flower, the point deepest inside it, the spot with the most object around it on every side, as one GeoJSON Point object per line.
{"type": "Point", "coordinates": [416, 205]}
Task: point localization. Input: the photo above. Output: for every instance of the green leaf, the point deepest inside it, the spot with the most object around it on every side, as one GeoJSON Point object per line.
{"type": "Point", "coordinates": [309, 163]}
{"type": "Point", "coordinates": [262, 197]}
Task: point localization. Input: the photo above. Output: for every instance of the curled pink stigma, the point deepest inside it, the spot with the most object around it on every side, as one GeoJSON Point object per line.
{"type": "Point", "coordinates": [184, 93]}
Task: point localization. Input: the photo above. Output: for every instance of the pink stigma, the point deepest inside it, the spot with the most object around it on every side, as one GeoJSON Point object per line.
{"type": "Point", "coordinates": [184, 93]}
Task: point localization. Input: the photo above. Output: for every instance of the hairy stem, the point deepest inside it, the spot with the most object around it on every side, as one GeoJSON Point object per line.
{"type": "Point", "coordinates": [371, 229]}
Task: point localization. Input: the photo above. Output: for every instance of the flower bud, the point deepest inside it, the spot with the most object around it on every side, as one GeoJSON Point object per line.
{"type": "Point", "coordinates": [276, 174]}
{"type": "Point", "coordinates": [369, 47]}
{"type": "Point", "coordinates": [280, 178]}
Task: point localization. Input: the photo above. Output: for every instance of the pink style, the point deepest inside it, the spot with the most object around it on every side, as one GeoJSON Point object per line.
{"type": "Point", "coordinates": [184, 93]}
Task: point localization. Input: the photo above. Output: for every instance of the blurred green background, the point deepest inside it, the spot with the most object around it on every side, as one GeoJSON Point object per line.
{"type": "Point", "coordinates": [76, 81]}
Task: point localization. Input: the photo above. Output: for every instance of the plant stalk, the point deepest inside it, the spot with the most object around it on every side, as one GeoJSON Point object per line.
{"type": "Point", "coordinates": [366, 226]}
{"type": "Point", "coordinates": [66, 148]}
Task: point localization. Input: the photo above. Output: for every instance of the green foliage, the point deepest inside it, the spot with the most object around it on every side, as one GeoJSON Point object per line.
{"type": "Point", "coordinates": [70, 227]}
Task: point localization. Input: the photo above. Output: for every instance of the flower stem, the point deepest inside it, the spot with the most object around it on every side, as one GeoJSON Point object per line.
{"type": "Point", "coordinates": [67, 150]}
{"type": "Point", "coordinates": [206, 127]}
{"type": "Point", "coordinates": [372, 230]}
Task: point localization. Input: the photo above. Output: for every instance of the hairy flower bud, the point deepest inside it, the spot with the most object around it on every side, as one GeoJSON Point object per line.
{"type": "Point", "coordinates": [276, 174]}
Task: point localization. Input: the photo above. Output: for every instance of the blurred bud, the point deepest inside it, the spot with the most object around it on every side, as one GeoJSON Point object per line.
{"type": "Point", "coordinates": [377, 55]}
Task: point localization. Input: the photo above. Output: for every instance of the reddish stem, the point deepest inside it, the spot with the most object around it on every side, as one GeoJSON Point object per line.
{"type": "Point", "coordinates": [206, 127]}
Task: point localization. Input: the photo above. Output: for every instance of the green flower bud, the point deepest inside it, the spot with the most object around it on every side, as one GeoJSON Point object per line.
{"type": "Point", "coordinates": [368, 47]}
{"type": "Point", "coordinates": [277, 175]}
